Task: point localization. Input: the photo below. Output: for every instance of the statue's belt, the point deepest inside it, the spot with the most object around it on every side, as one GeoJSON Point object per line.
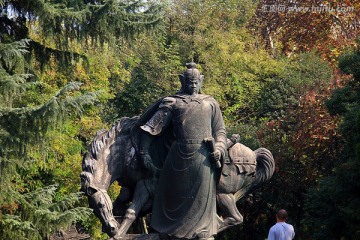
{"type": "Point", "coordinates": [190, 141]}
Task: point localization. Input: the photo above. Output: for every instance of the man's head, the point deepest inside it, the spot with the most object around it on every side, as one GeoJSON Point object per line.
{"type": "Point", "coordinates": [281, 215]}
{"type": "Point", "coordinates": [191, 80]}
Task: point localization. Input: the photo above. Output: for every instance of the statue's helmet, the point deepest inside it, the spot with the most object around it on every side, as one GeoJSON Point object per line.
{"type": "Point", "coordinates": [191, 73]}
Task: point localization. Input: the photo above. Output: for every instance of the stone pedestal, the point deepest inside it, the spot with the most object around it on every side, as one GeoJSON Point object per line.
{"type": "Point", "coordinates": [152, 236]}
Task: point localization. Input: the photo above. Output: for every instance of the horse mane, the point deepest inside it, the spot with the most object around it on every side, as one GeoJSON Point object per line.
{"type": "Point", "coordinates": [104, 137]}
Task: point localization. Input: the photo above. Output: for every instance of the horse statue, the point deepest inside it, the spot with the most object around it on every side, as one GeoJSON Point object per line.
{"type": "Point", "coordinates": [113, 156]}
{"type": "Point", "coordinates": [242, 172]}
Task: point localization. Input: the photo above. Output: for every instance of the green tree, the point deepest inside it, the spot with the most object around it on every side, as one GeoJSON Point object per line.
{"type": "Point", "coordinates": [338, 194]}
{"type": "Point", "coordinates": [41, 103]}
{"type": "Point", "coordinates": [153, 67]}
{"type": "Point", "coordinates": [214, 35]}
{"type": "Point", "coordinates": [30, 213]}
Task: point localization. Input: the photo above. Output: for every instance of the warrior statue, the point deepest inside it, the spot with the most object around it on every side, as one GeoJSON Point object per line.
{"type": "Point", "coordinates": [185, 197]}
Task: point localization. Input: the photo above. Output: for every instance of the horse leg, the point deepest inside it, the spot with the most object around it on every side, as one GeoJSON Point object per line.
{"type": "Point", "coordinates": [102, 205]}
{"type": "Point", "coordinates": [141, 196]}
{"type": "Point", "coordinates": [119, 205]}
{"type": "Point", "coordinates": [227, 204]}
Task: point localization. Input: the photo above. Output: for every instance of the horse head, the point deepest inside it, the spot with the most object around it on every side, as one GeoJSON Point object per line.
{"type": "Point", "coordinates": [105, 162]}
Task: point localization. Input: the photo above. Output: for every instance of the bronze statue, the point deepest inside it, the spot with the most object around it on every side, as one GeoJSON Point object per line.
{"type": "Point", "coordinates": [175, 162]}
{"type": "Point", "coordinates": [185, 197]}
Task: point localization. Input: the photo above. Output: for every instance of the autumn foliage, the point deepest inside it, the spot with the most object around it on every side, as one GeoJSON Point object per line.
{"type": "Point", "coordinates": [288, 27]}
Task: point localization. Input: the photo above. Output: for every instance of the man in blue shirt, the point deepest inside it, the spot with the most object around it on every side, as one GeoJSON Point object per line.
{"type": "Point", "coordinates": [281, 230]}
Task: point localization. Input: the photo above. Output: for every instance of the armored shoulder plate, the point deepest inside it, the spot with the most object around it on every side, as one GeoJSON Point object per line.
{"type": "Point", "coordinates": [161, 118]}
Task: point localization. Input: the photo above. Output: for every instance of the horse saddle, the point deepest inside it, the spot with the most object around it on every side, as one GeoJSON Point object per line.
{"type": "Point", "coordinates": [234, 172]}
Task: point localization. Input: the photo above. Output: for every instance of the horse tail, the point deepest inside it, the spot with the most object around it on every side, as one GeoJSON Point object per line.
{"type": "Point", "coordinates": [264, 171]}
{"type": "Point", "coordinates": [265, 165]}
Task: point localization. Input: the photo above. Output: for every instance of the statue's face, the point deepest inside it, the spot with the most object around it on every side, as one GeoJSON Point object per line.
{"type": "Point", "coordinates": [192, 87]}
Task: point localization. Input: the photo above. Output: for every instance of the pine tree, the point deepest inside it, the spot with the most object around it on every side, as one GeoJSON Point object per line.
{"type": "Point", "coordinates": [35, 35]}
{"type": "Point", "coordinates": [30, 214]}
{"type": "Point", "coordinates": [59, 23]}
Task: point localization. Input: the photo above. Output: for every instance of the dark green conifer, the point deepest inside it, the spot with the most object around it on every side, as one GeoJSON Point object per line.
{"type": "Point", "coordinates": [27, 114]}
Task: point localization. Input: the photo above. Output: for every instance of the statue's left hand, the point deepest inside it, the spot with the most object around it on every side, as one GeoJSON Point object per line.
{"type": "Point", "coordinates": [216, 156]}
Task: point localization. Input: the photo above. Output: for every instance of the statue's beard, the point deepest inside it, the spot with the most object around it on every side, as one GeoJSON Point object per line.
{"type": "Point", "coordinates": [193, 91]}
